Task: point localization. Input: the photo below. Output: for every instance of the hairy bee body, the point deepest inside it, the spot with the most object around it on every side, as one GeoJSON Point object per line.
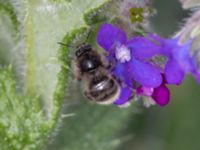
{"type": "Point", "coordinates": [98, 83]}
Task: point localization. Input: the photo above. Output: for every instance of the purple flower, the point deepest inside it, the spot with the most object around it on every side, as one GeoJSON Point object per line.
{"type": "Point", "coordinates": [134, 66]}
{"type": "Point", "coordinates": [180, 61]}
{"type": "Point", "coordinates": [129, 57]}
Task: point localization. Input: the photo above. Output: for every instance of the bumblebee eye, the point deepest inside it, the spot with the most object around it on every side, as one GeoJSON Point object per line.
{"type": "Point", "coordinates": [89, 65]}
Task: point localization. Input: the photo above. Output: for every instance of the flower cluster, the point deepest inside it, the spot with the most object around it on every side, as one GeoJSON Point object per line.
{"type": "Point", "coordinates": [139, 75]}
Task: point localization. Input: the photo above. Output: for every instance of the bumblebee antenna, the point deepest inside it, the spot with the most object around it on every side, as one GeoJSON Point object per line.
{"type": "Point", "coordinates": [89, 33]}
{"type": "Point", "coordinates": [71, 46]}
{"type": "Point", "coordinates": [64, 44]}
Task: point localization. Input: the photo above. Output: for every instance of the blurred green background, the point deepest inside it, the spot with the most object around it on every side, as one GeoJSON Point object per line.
{"type": "Point", "coordinates": [174, 127]}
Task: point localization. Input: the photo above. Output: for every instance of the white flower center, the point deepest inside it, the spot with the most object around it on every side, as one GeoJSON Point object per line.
{"type": "Point", "coordinates": [122, 53]}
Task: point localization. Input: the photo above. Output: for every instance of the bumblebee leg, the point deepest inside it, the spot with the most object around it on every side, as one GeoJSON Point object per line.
{"type": "Point", "coordinates": [87, 95]}
{"type": "Point", "coordinates": [109, 63]}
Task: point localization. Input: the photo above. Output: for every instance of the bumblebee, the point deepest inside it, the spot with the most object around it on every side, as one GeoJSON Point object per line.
{"type": "Point", "coordinates": [92, 70]}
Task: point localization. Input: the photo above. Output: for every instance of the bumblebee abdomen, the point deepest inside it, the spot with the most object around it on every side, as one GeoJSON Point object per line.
{"type": "Point", "coordinates": [105, 91]}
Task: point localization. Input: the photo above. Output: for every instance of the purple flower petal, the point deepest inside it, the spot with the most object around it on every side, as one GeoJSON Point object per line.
{"type": "Point", "coordinates": [120, 72]}
{"type": "Point", "coordinates": [179, 51]}
{"type": "Point", "coordinates": [173, 73]}
{"type": "Point", "coordinates": [172, 49]}
{"type": "Point", "coordinates": [161, 95]}
{"type": "Point", "coordinates": [109, 35]}
{"type": "Point", "coordinates": [144, 73]}
{"type": "Point", "coordinates": [143, 47]}
{"type": "Point", "coordinates": [125, 96]}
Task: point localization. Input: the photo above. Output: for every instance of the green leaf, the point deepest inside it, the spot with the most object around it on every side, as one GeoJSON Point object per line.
{"type": "Point", "coordinates": [22, 123]}
{"type": "Point", "coordinates": [92, 127]}
{"type": "Point", "coordinates": [45, 24]}
{"type": "Point", "coordinates": [8, 32]}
